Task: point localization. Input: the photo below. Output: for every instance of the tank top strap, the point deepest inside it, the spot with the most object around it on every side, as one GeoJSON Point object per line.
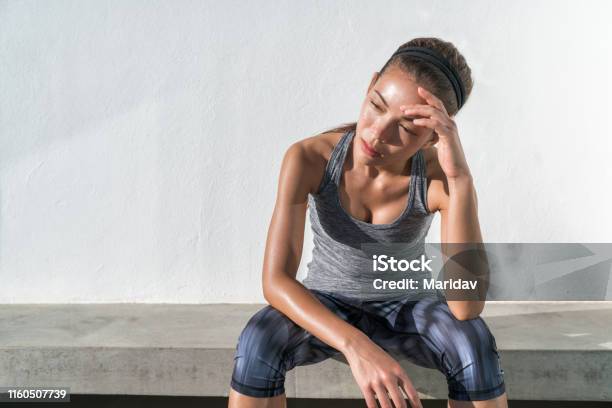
{"type": "Point", "coordinates": [336, 162]}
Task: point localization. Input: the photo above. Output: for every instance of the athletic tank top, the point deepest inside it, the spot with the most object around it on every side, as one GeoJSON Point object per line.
{"type": "Point", "coordinates": [342, 255]}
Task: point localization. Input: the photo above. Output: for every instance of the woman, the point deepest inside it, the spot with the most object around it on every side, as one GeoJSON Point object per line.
{"type": "Point", "coordinates": [379, 180]}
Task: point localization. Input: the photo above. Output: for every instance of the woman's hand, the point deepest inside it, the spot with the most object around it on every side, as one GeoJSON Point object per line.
{"type": "Point", "coordinates": [377, 373]}
{"type": "Point", "coordinates": [450, 153]}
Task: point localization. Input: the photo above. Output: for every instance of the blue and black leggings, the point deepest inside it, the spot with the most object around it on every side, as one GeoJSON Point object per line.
{"type": "Point", "coordinates": [424, 331]}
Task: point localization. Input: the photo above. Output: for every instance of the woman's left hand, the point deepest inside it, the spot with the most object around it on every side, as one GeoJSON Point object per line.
{"type": "Point", "coordinates": [450, 153]}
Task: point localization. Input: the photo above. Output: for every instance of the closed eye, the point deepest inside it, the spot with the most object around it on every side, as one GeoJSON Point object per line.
{"type": "Point", "coordinates": [378, 108]}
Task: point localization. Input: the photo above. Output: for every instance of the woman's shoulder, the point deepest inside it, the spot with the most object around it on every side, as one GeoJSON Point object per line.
{"type": "Point", "coordinates": [316, 151]}
{"type": "Point", "coordinates": [320, 146]}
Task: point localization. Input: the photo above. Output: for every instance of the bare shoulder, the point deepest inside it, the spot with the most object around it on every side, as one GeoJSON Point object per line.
{"type": "Point", "coordinates": [437, 184]}
{"type": "Point", "coordinates": [314, 153]}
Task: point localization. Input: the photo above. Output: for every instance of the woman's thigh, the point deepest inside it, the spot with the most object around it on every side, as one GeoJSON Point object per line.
{"type": "Point", "coordinates": [427, 333]}
{"type": "Point", "coordinates": [272, 344]}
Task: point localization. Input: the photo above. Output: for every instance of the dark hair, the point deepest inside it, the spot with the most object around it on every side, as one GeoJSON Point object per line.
{"type": "Point", "coordinates": [427, 75]}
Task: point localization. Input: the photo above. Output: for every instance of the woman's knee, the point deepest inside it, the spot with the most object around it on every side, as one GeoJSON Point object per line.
{"type": "Point", "coordinates": [467, 352]}
{"type": "Point", "coordinates": [474, 366]}
{"type": "Point", "coordinates": [259, 366]}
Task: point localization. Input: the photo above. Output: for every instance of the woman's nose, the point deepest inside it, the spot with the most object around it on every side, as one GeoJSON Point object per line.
{"type": "Point", "coordinates": [384, 131]}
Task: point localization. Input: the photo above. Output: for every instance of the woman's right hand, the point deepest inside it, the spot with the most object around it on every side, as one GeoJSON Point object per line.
{"type": "Point", "coordinates": [377, 373]}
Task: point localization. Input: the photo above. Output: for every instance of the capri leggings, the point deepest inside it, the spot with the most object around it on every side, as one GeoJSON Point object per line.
{"type": "Point", "coordinates": [424, 332]}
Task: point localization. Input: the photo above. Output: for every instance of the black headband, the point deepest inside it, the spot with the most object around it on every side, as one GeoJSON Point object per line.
{"type": "Point", "coordinates": [441, 63]}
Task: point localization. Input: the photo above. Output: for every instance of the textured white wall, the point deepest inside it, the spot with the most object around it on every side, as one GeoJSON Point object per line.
{"type": "Point", "coordinates": [140, 141]}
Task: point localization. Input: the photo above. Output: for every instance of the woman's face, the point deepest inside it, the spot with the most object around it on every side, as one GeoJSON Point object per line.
{"type": "Point", "coordinates": [383, 127]}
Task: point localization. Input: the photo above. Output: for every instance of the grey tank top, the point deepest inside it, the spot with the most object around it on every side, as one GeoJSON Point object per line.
{"type": "Point", "coordinates": [343, 245]}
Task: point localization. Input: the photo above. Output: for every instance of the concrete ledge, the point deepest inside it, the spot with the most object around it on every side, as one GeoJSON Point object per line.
{"type": "Point", "coordinates": [549, 350]}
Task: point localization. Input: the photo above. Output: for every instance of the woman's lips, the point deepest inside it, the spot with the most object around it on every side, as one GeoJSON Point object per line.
{"type": "Point", "coordinates": [368, 149]}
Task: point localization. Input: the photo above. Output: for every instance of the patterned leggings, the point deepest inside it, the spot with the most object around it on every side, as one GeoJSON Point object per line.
{"type": "Point", "coordinates": [424, 332]}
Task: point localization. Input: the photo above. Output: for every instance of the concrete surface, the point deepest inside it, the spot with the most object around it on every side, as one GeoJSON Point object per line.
{"type": "Point", "coordinates": [552, 351]}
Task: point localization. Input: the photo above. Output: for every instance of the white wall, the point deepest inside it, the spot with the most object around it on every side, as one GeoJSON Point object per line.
{"type": "Point", "coordinates": [140, 142]}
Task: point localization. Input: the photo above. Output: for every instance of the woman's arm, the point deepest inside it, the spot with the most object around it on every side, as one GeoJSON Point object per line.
{"type": "Point", "coordinates": [284, 250]}
{"type": "Point", "coordinates": [376, 373]}
{"type": "Point", "coordinates": [461, 238]}
{"type": "Point", "coordinates": [459, 225]}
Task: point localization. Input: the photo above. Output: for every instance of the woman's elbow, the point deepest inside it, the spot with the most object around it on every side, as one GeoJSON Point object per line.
{"type": "Point", "coordinates": [465, 315]}
{"type": "Point", "coordinates": [267, 290]}
{"type": "Point", "coordinates": [462, 311]}
{"type": "Point", "coordinates": [271, 287]}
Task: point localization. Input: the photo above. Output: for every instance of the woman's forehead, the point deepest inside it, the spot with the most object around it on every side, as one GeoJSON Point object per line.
{"type": "Point", "coordinates": [397, 91]}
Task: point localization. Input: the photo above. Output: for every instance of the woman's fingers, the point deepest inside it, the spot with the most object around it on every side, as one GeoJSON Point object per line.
{"type": "Point", "coordinates": [411, 392]}
{"type": "Point", "coordinates": [433, 124]}
{"type": "Point", "coordinates": [396, 395]}
{"type": "Point", "coordinates": [425, 110]}
{"type": "Point", "coordinates": [431, 99]}
{"type": "Point", "coordinates": [383, 398]}
{"type": "Point", "coordinates": [431, 117]}
{"type": "Point", "coordinates": [368, 394]}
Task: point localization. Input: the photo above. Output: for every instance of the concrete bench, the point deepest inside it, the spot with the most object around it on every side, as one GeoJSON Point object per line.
{"type": "Point", "coordinates": [549, 351]}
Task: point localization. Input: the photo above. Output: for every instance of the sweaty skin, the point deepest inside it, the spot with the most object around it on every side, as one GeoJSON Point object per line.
{"type": "Point", "coordinates": [372, 189]}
